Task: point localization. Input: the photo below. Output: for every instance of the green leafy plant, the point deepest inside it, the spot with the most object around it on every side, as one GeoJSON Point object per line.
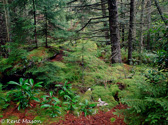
{"type": "Point", "coordinates": [71, 102]}
{"type": "Point", "coordinates": [65, 90]}
{"type": "Point", "coordinates": [51, 104]}
{"type": "Point", "coordinates": [154, 77]}
{"type": "Point", "coordinates": [112, 120]}
{"type": "Point", "coordinates": [162, 59]}
{"type": "Point", "coordinates": [25, 92]}
{"type": "Point", "coordinates": [87, 108]}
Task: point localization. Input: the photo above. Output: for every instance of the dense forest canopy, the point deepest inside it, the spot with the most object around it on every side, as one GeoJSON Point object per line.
{"type": "Point", "coordinates": [84, 57]}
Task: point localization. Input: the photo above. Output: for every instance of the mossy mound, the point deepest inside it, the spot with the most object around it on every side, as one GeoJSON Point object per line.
{"type": "Point", "coordinates": [86, 96]}
{"type": "Point", "coordinates": [40, 53]}
{"type": "Point", "coordinates": [106, 94]}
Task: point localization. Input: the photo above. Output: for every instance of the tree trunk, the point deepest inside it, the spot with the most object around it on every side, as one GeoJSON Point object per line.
{"type": "Point", "coordinates": [46, 28]}
{"type": "Point", "coordinates": [141, 26]}
{"type": "Point", "coordinates": [35, 30]}
{"type": "Point", "coordinates": [114, 32]}
{"type": "Point", "coordinates": [131, 27]}
{"type": "Point", "coordinates": [123, 25]}
{"type": "Point", "coordinates": [160, 12]}
{"type": "Point", "coordinates": [104, 15]}
{"type": "Point", "coordinates": [149, 23]}
{"type": "Point", "coordinates": [3, 33]}
{"type": "Point", "coordinates": [163, 19]}
{"type": "Point", "coordinates": [6, 10]}
{"type": "Point", "coordinates": [136, 5]}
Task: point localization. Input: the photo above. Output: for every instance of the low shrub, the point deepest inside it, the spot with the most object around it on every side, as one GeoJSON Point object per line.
{"type": "Point", "coordinates": [25, 92]}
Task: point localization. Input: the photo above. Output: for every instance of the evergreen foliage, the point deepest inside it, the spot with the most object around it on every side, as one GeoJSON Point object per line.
{"type": "Point", "coordinates": [150, 107]}
{"type": "Point", "coordinates": [4, 101]}
{"type": "Point", "coordinates": [55, 41]}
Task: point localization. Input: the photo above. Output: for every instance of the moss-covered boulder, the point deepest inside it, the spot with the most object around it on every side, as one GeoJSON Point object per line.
{"type": "Point", "coordinates": [106, 94]}
{"type": "Point", "coordinates": [86, 96]}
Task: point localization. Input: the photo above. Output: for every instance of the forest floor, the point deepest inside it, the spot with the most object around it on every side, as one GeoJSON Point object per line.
{"type": "Point", "coordinates": [101, 118]}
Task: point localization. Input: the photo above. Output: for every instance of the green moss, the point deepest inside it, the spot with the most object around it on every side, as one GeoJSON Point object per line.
{"type": "Point", "coordinates": [132, 89]}
{"type": "Point", "coordinates": [43, 114]}
{"type": "Point", "coordinates": [59, 64]}
{"type": "Point", "coordinates": [112, 120]}
{"type": "Point", "coordinates": [45, 119]}
{"type": "Point", "coordinates": [105, 94]}
{"type": "Point", "coordinates": [89, 81]}
{"type": "Point", "coordinates": [40, 53]}
{"type": "Point", "coordinates": [85, 96]}
{"type": "Point", "coordinates": [114, 89]}
{"type": "Point", "coordinates": [77, 112]}
{"type": "Point", "coordinates": [89, 45]}
{"type": "Point", "coordinates": [41, 119]}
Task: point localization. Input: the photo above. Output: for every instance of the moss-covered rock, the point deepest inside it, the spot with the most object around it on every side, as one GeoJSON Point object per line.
{"type": "Point", "coordinates": [105, 94]}
{"type": "Point", "coordinates": [86, 96]}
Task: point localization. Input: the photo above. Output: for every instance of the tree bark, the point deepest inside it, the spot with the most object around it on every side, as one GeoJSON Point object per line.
{"type": "Point", "coordinates": [141, 26]}
{"type": "Point", "coordinates": [6, 10]}
{"type": "Point", "coordinates": [46, 27]}
{"type": "Point", "coordinates": [162, 17]}
{"type": "Point", "coordinates": [123, 25]}
{"type": "Point", "coordinates": [114, 32]}
{"type": "Point", "coordinates": [104, 14]}
{"type": "Point", "coordinates": [131, 28]}
{"type": "Point", "coordinates": [3, 33]}
{"type": "Point", "coordinates": [136, 5]}
{"type": "Point", "coordinates": [160, 12]}
{"type": "Point", "coordinates": [149, 23]}
{"type": "Point", "coordinates": [35, 30]}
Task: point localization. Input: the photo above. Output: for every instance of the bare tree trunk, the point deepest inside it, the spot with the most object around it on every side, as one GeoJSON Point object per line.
{"type": "Point", "coordinates": [136, 5]}
{"type": "Point", "coordinates": [6, 10]}
{"type": "Point", "coordinates": [164, 20]}
{"type": "Point", "coordinates": [123, 26]}
{"type": "Point", "coordinates": [141, 26]}
{"type": "Point", "coordinates": [104, 15]}
{"type": "Point", "coordinates": [46, 27]}
{"type": "Point", "coordinates": [35, 30]}
{"type": "Point", "coordinates": [131, 27]}
{"type": "Point", "coordinates": [149, 23]}
{"type": "Point", "coordinates": [160, 12]}
{"type": "Point", "coordinates": [114, 32]}
{"type": "Point", "coordinates": [3, 34]}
